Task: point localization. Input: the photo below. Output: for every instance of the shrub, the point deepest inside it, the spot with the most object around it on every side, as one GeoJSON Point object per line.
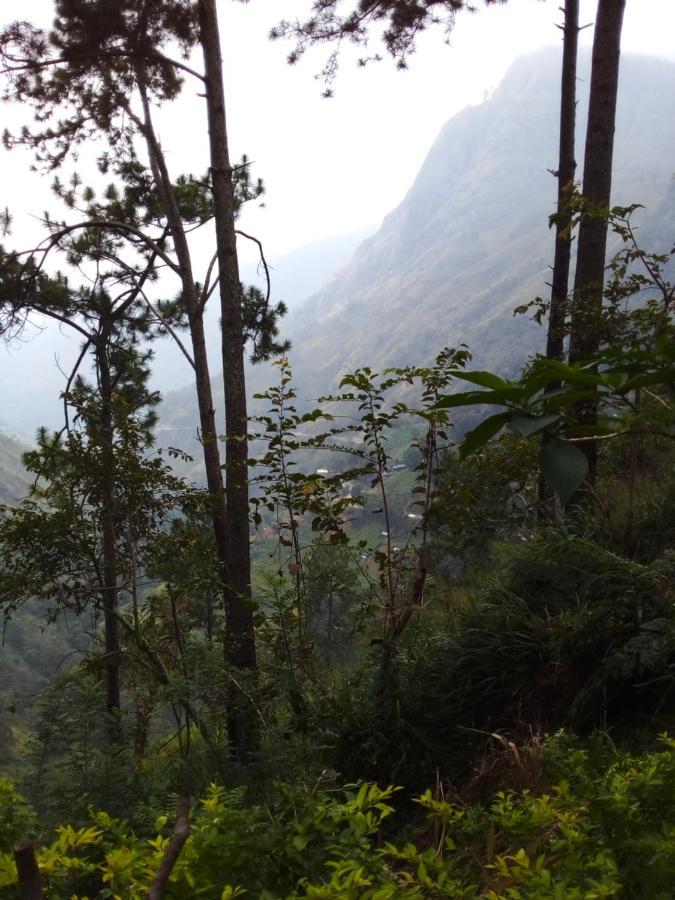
{"type": "Point", "coordinates": [567, 635]}
{"type": "Point", "coordinates": [601, 831]}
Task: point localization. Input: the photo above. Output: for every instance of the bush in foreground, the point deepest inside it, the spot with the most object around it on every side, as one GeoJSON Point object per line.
{"type": "Point", "coordinates": [604, 832]}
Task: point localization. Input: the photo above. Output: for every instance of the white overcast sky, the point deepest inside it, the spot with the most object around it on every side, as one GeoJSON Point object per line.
{"type": "Point", "coordinates": [333, 166]}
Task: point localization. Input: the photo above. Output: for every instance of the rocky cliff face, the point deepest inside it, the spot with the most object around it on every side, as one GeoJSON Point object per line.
{"type": "Point", "coordinates": [470, 240]}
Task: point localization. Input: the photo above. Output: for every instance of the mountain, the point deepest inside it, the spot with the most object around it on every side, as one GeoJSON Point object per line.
{"type": "Point", "coordinates": [469, 242]}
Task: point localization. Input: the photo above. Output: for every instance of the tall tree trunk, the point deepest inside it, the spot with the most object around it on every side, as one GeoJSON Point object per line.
{"type": "Point", "coordinates": [555, 337]}
{"type": "Point", "coordinates": [592, 241]}
{"type": "Point", "coordinates": [240, 635]}
{"type": "Point", "coordinates": [566, 169]}
{"type": "Point", "coordinates": [106, 440]}
{"type": "Point", "coordinates": [194, 307]}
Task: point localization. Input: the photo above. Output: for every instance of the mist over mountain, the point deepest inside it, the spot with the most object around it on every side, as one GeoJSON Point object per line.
{"type": "Point", "coordinates": [34, 366]}
{"type": "Point", "coordinates": [294, 277]}
{"type": "Point", "coordinates": [467, 244]}
{"type": "Point", "coordinates": [470, 241]}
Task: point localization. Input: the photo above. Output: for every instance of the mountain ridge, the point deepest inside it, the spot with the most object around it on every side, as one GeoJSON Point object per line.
{"type": "Point", "coordinates": [469, 241]}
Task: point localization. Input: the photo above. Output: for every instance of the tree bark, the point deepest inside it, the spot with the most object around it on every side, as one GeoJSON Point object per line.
{"type": "Point", "coordinates": [240, 635]}
{"type": "Point", "coordinates": [592, 240]}
{"type": "Point", "coordinates": [28, 872]}
{"type": "Point", "coordinates": [207, 416]}
{"type": "Point", "coordinates": [111, 625]}
{"type": "Point", "coordinates": [566, 169]}
{"type": "Point", "coordinates": [555, 337]}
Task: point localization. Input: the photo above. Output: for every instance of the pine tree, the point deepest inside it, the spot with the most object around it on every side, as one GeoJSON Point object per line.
{"type": "Point", "coordinates": [107, 64]}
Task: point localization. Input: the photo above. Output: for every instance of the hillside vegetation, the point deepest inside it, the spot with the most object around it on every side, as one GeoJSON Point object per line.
{"type": "Point", "coordinates": [408, 628]}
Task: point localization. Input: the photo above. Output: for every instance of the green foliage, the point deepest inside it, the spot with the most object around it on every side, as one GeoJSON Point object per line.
{"type": "Point", "coordinates": [17, 819]}
{"type": "Point", "coordinates": [337, 598]}
{"type": "Point", "coordinates": [485, 497]}
{"type": "Point", "coordinates": [71, 764]}
{"type": "Point", "coordinates": [325, 504]}
{"type": "Point", "coordinates": [588, 836]}
{"type": "Point", "coordinates": [50, 545]}
{"type": "Point", "coordinates": [532, 407]}
{"type": "Point", "coordinates": [566, 634]}
{"type": "Point", "coordinates": [599, 398]}
{"type": "Point", "coordinates": [183, 557]}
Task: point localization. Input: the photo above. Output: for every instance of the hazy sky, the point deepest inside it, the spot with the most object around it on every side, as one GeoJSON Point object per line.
{"type": "Point", "coordinates": [331, 166]}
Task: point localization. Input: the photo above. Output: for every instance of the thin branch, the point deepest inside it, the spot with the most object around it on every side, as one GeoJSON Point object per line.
{"type": "Point", "coordinates": [180, 835]}
{"type": "Point", "coordinates": [51, 314]}
{"type": "Point", "coordinates": [206, 290]}
{"type": "Point", "coordinates": [155, 310]}
{"type": "Point", "coordinates": [26, 65]}
{"type": "Point", "coordinates": [110, 224]}
{"type": "Point", "coordinates": [72, 375]}
{"type": "Point", "coordinates": [627, 431]}
{"type": "Point", "coordinates": [255, 240]}
{"type": "Point", "coordinates": [657, 398]}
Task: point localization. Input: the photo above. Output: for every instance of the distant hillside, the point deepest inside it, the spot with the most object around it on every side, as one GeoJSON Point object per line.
{"type": "Point", "coordinates": [13, 477]}
{"type": "Point", "coordinates": [30, 380]}
{"type": "Point", "coordinates": [294, 277]}
{"type": "Point", "coordinates": [470, 240]}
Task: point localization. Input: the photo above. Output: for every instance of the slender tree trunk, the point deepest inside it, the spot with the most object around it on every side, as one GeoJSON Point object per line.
{"type": "Point", "coordinates": [111, 625]}
{"type": "Point", "coordinates": [592, 241]}
{"type": "Point", "coordinates": [207, 416]}
{"type": "Point", "coordinates": [555, 337]}
{"type": "Point", "coordinates": [566, 169]}
{"type": "Point", "coordinates": [240, 635]}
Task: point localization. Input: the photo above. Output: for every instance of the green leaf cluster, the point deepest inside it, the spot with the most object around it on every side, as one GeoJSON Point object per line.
{"type": "Point", "coordinates": [598, 831]}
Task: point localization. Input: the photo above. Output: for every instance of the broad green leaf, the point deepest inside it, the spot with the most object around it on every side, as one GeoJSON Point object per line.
{"type": "Point", "coordinates": [502, 397]}
{"type": "Point", "coordinates": [482, 433]}
{"type": "Point", "coordinates": [614, 379]}
{"type": "Point", "coordinates": [484, 379]}
{"type": "Point", "coordinates": [582, 377]}
{"type": "Point", "coordinates": [566, 398]}
{"type": "Point", "coordinates": [572, 374]}
{"type": "Point", "coordinates": [564, 467]}
{"type": "Point", "coordinates": [648, 379]}
{"type": "Point", "coordinates": [526, 425]}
